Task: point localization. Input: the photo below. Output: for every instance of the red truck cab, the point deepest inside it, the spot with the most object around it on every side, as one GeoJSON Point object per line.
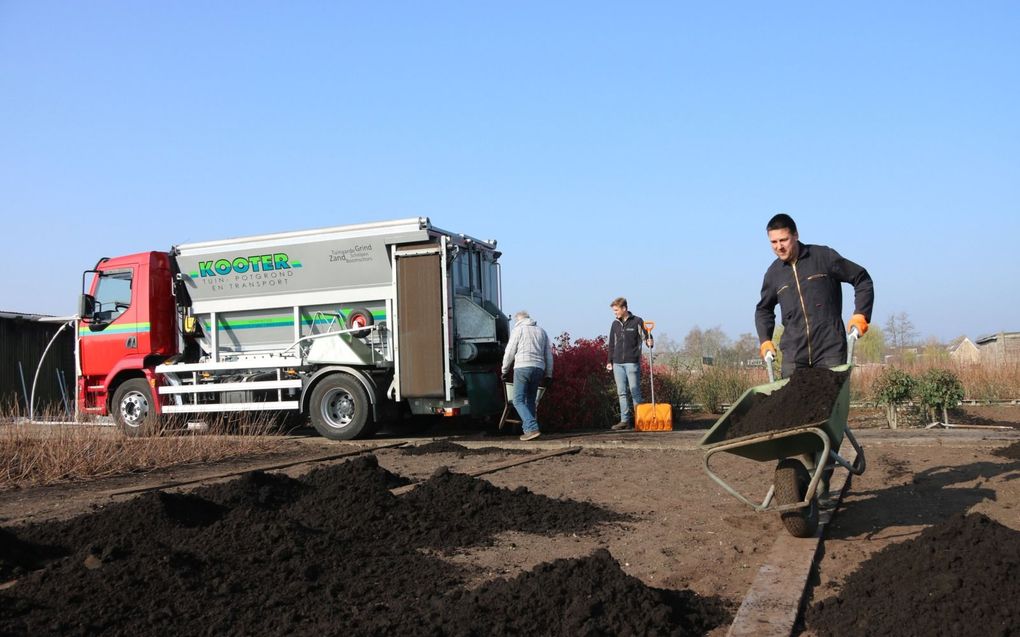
{"type": "Point", "coordinates": [128, 325]}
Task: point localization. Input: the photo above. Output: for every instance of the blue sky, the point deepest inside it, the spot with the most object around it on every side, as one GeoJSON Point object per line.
{"type": "Point", "coordinates": [632, 149]}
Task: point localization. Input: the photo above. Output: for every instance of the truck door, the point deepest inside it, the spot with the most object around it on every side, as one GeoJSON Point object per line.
{"type": "Point", "coordinates": [421, 338]}
{"type": "Point", "coordinates": [111, 331]}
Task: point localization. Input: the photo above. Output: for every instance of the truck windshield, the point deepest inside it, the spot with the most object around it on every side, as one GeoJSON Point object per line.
{"type": "Point", "coordinates": [113, 295]}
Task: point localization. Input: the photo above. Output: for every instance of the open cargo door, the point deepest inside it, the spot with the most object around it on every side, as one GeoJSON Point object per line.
{"type": "Point", "coordinates": [421, 343]}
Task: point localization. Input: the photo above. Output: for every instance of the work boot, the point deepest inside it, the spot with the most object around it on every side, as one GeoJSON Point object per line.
{"type": "Point", "coordinates": [623, 425]}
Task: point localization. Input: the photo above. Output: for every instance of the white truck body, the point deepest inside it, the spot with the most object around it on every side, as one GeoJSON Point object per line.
{"type": "Point", "coordinates": [266, 316]}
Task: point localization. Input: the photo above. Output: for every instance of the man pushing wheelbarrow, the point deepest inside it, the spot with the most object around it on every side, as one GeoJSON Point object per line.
{"type": "Point", "coordinates": [805, 281]}
{"type": "Point", "coordinates": [799, 421]}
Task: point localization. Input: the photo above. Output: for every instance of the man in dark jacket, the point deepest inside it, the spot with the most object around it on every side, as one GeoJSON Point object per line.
{"type": "Point", "coordinates": [805, 282]}
{"type": "Point", "coordinates": [625, 337]}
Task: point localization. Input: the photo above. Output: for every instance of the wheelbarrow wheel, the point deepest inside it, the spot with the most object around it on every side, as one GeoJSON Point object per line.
{"type": "Point", "coordinates": [792, 481]}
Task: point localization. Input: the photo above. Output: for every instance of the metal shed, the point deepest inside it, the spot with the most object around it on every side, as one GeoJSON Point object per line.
{"type": "Point", "coordinates": [23, 339]}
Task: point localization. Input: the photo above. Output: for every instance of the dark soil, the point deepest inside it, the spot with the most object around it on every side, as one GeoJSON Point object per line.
{"type": "Point", "coordinates": [334, 552]}
{"type": "Point", "coordinates": [807, 398]}
{"type": "Point", "coordinates": [1012, 452]}
{"type": "Point", "coordinates": [445, 446]}
{"type": "Point", "coordinates": [581, 597]}
{"type": "Point", "coordinates": [960, 577]}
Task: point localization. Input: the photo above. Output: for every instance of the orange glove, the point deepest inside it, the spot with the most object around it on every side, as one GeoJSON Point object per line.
{"type": "Point", "coordinates": [857, 320]}
{"type": "Point", "coordinates": [767, 347]}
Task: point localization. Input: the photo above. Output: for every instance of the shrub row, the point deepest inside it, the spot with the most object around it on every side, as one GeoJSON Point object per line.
{"type": "Point", "coordinates": [936, 389]}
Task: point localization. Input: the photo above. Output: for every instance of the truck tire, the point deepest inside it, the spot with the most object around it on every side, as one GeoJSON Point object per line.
{"type": "Point", "coordinates": [359, 317]}
{"type": "Point", "coordinates": [132, 408]}
{"type": "Point", "coordinates": [340, 409]}
{"type": "Point", "coordinates": [791, 481]}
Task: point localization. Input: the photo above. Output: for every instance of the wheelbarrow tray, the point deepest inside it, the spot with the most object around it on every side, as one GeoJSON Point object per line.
{"type": "Point", "coordinates": [780, 443]}
{"type": "Point", "coordinates": [820, 439]}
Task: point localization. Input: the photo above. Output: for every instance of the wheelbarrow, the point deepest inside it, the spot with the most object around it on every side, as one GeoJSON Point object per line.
{"type": "Point", "coordinates": [508, 396]}
{"type": "Point", "coordinates": [804, 453]}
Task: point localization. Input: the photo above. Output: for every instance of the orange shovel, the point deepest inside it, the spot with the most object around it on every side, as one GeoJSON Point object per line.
{"type": "Point", "coordinates": [650, 416]}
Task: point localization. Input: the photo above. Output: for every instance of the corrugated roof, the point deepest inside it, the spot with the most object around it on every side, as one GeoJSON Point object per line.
{"type": "Point", "coordinates": [994, 337]}
{"type": "Point", "coordinates": [24, 315]}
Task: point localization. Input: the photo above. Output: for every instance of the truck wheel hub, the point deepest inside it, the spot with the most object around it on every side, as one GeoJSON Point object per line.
{"type": "Point", "coordinates": [134, 408]}
{"type": "Point", "coordinates": [338, 408]}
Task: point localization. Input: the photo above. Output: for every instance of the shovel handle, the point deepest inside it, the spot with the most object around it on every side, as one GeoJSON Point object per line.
{"type": "Point", "coordinates": [649, 325]}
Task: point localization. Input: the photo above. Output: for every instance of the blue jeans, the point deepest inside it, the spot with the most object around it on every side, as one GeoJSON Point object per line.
{"type": "Point", "coordinates": [526, 383]}
{"type": "Point", "coordinates": [628, 376]}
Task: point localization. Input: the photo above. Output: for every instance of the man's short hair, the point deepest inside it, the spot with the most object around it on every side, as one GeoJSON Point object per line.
{"type": "Point", "coordinates": [782, 221]}
{"type": "Point", "coordinates": [619, 302]}
{"type": "Point", "coordinates": [523, 314]}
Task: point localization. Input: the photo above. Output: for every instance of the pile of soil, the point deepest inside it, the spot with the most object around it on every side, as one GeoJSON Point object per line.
{"type": "Point", "coordinates": [960, 577]}
{"type": "Point", "coordinates": [807, 398]}
{"type": "Point", "coordinates": [445, 446]}
{"type": "Point", "coordinates": [332, 552]}
{"type": "Point", "coordinates": [587, 596]}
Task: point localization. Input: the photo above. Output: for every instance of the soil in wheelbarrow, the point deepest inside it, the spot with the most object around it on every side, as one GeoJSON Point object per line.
{"type": "Point", "coordinates": [332, 552]}
{"type": "Point", "coordinates": [807, 398]}
{"type": "Point", "coordinates": [960, 577]}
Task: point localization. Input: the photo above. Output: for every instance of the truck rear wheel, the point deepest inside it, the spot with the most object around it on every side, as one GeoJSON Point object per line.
{"type": "Point", "coordinates": [340, 409]}
{"type": "Point", "coordinates": [792, 481]}
{"type": "Point", "coordinates": [132, 408]}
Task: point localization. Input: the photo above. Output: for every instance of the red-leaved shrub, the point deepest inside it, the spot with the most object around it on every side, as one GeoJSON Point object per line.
{"type": "Point", "coordinates": [583, 395]}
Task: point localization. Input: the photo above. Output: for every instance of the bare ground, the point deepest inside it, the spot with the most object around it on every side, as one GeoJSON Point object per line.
{"type": "Point", "coordinates": [685, 531]}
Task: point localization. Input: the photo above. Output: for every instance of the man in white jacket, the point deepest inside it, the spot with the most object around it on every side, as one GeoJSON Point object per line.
{"type": "Point", "coordinates": [530, 354]}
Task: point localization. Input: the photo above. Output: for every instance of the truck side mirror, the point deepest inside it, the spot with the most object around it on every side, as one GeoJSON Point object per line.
{"type": "Point", "coordinates": [86, 306]}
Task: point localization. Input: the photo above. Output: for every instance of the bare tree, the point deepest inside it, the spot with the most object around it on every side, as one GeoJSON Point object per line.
{"type": "Point", "coordinates": [742, 350]}
{"type": "Point", "coordinates": [900, 332]}
{"type": "Point", "coordinates": [714, 341]}
{"type": "Point", "coordinates": [700, 343]}
{"type": "Point", "coordinates": [664, 344]}
{"type": "Point", "coordinates": [693, 346]}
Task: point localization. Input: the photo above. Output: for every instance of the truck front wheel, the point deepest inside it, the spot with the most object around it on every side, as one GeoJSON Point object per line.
{"type": "Point", "coordinates": [339, 408]}
{"type": "Point", "coordinates": [133, 410]}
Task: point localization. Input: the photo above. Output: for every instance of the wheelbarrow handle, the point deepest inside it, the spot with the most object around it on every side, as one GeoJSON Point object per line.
{"type": "Point", "coordinates": [851, 340]}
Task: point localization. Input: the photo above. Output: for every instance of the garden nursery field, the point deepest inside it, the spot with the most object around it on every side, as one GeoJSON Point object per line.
{"type": "Point", "coordinates": [602, 533]}
{"type": "Point", "coordinates": [469, 531]}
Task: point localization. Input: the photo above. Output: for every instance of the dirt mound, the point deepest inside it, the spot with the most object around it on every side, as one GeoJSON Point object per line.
{"type": "Point", "coordinates": [482, 510]}
{"type": "Point", "coordinates": [18, 557]}
{"type": "Point", "coordinates": [587, 596]}
{"type": "Point", "coordinates": [960, 577]}
{"type": "Point", "coordinates": [807, 398]}
{"type": "Point", "coordinates": [334, 551]}
{"type": "Point", "coordinates": [1012, 451]}
{"type": "Point", "coordinates": [445, 446]}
